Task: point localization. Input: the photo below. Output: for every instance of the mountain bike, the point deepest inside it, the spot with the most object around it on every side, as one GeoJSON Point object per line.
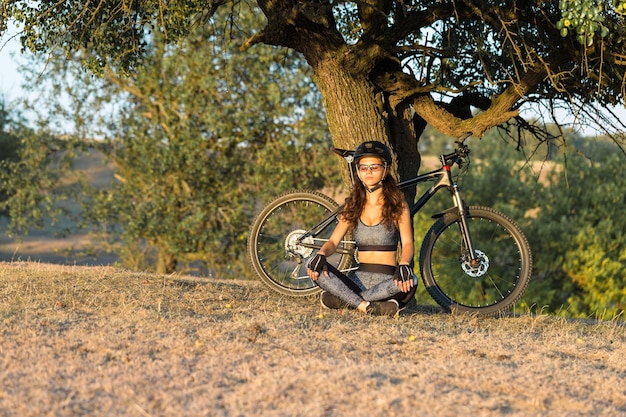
{"type": "Point", "coordinates": [472, 259]}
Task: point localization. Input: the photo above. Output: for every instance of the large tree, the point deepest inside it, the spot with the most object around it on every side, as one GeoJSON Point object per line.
{"type": "Point", "coordinates": [387, 68]}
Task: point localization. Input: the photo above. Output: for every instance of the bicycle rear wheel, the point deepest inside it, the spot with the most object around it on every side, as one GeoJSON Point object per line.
{"type": "Point", "coordinates": [277, 255]}
{"type": "Point", "coordinates": [492, 285]}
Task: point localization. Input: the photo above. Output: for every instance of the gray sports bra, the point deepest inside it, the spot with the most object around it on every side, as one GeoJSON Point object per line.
{"type": "Point", "coordinates": [376, 238]}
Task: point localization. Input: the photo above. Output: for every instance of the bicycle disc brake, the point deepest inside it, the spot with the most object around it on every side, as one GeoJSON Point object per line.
{"type": "Point", "coordinates": [476, 268]}
{"type": "Point", "coordinates": [293, 246]}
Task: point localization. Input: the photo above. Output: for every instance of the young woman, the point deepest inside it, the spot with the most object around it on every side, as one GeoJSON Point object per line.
{"type": "Point", "coordinates": [379, 218]}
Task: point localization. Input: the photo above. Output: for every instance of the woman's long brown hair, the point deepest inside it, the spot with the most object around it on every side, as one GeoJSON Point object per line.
{"type": "Point", "coordinates": [392, 208]}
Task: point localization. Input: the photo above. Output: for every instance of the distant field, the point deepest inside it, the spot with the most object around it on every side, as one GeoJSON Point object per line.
{"type": "Point", "coordinates": [52, 244]}
{"type": "Point", "coordinates": [101, 341]}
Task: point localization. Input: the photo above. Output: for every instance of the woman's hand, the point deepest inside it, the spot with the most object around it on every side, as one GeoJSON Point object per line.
{"type": "Point", "coordinates": [404, 278]}
{"type": "Point", "coordinates": [316, 265]}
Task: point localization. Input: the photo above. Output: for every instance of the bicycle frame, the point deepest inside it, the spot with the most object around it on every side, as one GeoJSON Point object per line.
{"type": "Point", "coordinates": [442, 178]}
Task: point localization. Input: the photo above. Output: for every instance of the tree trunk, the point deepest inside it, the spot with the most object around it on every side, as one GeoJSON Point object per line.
{"type": "Point", "coordinates": [353, 108]}
{"type": "Point", "coordinates": [357, 111]}
{"type": "Point", "coordinates": [406, 128]}
{"type": "Point", "coordinates": [166, 262]}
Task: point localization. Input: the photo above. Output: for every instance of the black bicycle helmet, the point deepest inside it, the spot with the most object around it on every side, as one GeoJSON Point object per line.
{"type": "Point", "coordinates": [373, 148]}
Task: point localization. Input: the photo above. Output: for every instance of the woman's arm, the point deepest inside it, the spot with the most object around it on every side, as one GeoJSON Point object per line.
{"type": "Point", "coordinates": [406, 238]}
{"type": "Point", "coordinates": [330, 246]}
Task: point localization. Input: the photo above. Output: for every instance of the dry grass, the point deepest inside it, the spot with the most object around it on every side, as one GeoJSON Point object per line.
{"type": "Point", "coordinates": [107, 342]}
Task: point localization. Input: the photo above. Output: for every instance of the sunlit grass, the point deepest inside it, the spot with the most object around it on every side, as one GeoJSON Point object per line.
{"type": "Point", "coordinates": [106, 341]}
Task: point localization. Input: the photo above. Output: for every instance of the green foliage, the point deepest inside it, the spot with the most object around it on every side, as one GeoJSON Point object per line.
{"type": "Point", "coordinates": [201, 135]}
{"type": "Point", "coordinates": [9, 144]}
{"type": "Point", "coordinates": [570, 210]}
{"type": "Point", "coordinates": [584, 18]}
{"type": "Point", "coordinates": [583, 234]}
{"type": "Point", "coordinates": [588, 18]}
{"type": "Point", "coordinates": [571, 214]}
{"type": "Point", "coordinates": [31, 181]}
{"type": "Point", "coordinates": [595, 262]}
{"type": "Point", "coordinates": [9, 148]}
{"type": "Point", "coordinates": [112, 30]}
{"type": "Point", "coordinates": [45, 137]}
{"type": "Point", "coordinates": [206, 133]}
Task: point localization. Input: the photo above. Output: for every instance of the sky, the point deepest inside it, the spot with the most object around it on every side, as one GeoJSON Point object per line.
{"type": "Point", "coordinates": [10, 79]}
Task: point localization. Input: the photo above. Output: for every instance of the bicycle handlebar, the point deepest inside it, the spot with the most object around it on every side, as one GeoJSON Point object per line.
{"type": "Point", "coordinates": [456, 157]}
{"type": "Point", "coordinates": [460, 153]}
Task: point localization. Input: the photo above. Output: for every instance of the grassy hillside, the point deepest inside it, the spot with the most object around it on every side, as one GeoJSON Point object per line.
{"type": "Point", "coordinates": [78, 341]}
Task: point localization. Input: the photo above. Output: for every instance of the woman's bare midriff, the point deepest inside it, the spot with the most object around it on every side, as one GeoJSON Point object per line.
{"type": "Point", "coordinates": [375, 257]}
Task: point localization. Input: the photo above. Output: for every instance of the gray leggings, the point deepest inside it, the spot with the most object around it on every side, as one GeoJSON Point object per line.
{"type": "Point", "coordinates": [365, 286]}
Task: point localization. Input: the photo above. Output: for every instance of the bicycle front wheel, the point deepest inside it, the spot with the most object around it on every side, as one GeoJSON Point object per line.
{"type": "Point", "coordinates": [277, 249]}
{"type": "Point", "coordinates": [492, 284]}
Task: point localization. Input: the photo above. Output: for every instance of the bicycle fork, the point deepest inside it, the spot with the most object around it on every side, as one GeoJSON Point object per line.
{"type": "Point", "coordinates": [470, 257]}
{"type": "Point", "coordinates": [473, 261]}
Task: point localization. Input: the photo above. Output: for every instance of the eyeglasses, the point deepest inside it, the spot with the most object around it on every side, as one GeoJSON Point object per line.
{"type": "Point", "coordinates": [370, 167]}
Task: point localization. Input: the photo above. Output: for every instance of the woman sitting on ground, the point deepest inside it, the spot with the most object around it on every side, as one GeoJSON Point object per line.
{"type": "Point", "coordinates": [378, 217]}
